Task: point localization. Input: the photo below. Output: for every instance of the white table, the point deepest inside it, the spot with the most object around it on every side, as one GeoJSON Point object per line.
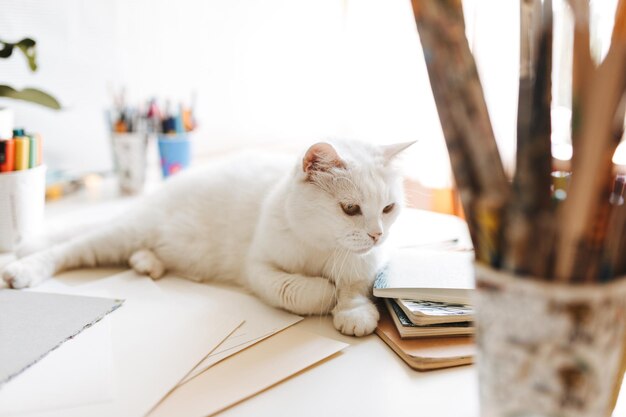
{"type": "Point", "coordinates": [366, 379]}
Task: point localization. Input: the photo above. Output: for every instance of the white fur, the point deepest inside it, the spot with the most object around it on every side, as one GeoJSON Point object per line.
{"type": "Point", "coordinates": [255, 220]}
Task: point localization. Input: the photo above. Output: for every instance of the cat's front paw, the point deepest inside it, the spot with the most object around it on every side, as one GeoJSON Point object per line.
{"type": "Point", "coordinates": [359, 320]}
{"type": "Point", "coordinates": [21, 274]}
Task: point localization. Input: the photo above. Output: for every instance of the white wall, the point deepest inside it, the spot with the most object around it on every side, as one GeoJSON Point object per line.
{"type": "Point", "coordinates": [289, 71]}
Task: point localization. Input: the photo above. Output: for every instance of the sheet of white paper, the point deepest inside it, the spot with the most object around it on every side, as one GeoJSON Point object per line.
{"type": "Point", "coordinates": [248, 373]}
{"type": "Point", "coordinates": [32, 324]}
{"type": "Point", "coordinates": [432, 269]}
{"type": "Point", "coordinates": [261, 320]}
{"type": "Point", "coordinates": [242, 338]}
{"type": "Point", "coordinates": [156, 339]}
{"type": "Point", "coordinates": [78, 372]}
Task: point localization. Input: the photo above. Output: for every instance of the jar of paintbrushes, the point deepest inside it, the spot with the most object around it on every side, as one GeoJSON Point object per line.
{"type": "Point", "coordinates": [550, 247]}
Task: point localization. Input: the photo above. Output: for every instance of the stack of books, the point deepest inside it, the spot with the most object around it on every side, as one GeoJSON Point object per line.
{"type": "Point", "coordinates": [422, 318]}
{"type": "Point", "coordinates": [426, 312]}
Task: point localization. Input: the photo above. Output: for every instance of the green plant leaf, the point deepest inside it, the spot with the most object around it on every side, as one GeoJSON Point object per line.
{"type": "Point", "coordinates": [6, 49]}
{"type": "Point", "coordinates": [26, 45]}
{"type": "Point", "coordinates": [31, 95]}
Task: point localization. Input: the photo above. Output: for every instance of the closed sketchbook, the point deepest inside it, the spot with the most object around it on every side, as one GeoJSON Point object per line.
{"type": "Point", "coordinates": [432, 275]}
{"type": "Point", "coordinates": [408, 330]}
{"type": "Point", "coordinates": [426, 354]}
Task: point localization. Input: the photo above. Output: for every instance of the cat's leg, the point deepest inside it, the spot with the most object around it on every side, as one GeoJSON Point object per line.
{"type": "Point", "coordinates": [355, 314]}
{"type": "Point", "coordinates": [145, 262]}
{"type": "Point", "coordinates": [293, 292]}
{"type": "Point", "coordinates": [57, 233]}
{"type": "Point", "coordinates": [105, 246]}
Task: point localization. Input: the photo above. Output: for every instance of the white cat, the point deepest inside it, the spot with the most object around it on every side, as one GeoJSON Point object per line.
{"type": "Point", "coordinates": [306, 238]}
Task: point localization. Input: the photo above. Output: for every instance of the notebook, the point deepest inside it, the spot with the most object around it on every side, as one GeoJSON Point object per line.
{"type": "Point", "coordinates": [430, 275]}
{"type": "Point", "coordinates": [407, 329]}
{"type": "Point", "coordinates": [426, 354]}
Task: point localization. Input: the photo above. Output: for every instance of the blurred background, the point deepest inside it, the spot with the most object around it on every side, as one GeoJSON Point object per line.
{"type": "Point", "coordinates": [274, 74]}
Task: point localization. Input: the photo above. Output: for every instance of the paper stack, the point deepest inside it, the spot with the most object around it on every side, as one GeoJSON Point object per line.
{"type": "Point", "coordinates": [169, 344]}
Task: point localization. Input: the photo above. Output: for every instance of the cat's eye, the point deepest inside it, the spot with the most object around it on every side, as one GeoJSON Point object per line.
{"type": "Point", "coordinates": [351, 209]}
{"type": "Point", "coordinates": [388, 208]}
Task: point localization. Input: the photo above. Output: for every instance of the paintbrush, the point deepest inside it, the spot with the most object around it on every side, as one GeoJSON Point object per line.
{"type": "Point", "coordinates": [465, 121]}
{"type": "Point", "coordinates": [584, 214]}
{"type": "Point", "coordinates": [527, 242]}
{"type": "Point", "coordinates": [582, 66]}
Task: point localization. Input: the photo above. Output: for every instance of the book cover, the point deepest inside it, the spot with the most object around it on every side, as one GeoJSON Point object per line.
{"type": "Point", "coordinates": [430, 275]}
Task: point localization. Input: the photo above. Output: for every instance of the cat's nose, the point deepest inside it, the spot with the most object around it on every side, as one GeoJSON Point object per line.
{"type": "Point", "coordinates": [375, 236]}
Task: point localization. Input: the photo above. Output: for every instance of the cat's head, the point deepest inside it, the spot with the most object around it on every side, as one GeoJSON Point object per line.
{"type": "Point", "coordinates": [346, 195]}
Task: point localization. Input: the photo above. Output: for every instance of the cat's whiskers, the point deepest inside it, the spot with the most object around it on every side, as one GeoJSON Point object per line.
{"type": "Point", "coordinates": [331, 275]}
{"type": "Point", "coordinates": [340, 276]}
{"type": "Point", "coordinates": [335, 268]}
{"type": "Point", "coordinates": [354, 271]}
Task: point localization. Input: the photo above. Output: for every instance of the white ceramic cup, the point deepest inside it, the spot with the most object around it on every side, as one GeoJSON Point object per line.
{"type": "Point", "coordinates": [22, 198]}
{"type": "Point", "coordinates": [130, 155]}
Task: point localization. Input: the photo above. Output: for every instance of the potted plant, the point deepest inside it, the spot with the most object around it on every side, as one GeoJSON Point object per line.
{"type": "Point", "coordinates": [32, 95]}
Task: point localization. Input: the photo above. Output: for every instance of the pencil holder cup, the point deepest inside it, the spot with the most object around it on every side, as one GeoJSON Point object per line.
{"type": "Point", "coordinates": [547, 349]}
{"type": "Point", "coordinates": [130, 157]}
{"type": "Point", "coordinates": [22, 198]}
{"type": "Point", "coordinates": [175, 152]}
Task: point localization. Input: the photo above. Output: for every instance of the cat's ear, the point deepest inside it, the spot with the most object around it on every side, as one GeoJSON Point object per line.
{"type": "Point", "coordinates": [321, 157]}
{"type": "Point", "coordinates": [391, 151]}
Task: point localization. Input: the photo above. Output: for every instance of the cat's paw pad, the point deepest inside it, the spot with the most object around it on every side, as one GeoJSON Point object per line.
{"type": "Point", "coordinates": [145, 262]}
{"type": "Point", "coordinates": [21, 274]}
{"type": "Point", "coordinates": [356, 321]}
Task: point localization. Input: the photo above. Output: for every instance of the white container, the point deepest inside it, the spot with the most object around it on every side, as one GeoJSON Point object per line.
{"type": "Point", "coordinates": [130, 157]}
{"type": "Point", "coordinates": [22, 198]}
{"type": "Point", "coordinates": [547, 349]}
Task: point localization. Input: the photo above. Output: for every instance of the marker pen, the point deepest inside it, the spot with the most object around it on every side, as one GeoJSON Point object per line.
{"type": "Point", "coordinates": [22, 149]}
{"type": "Point", "coordinates": [39, 149]}
{"type": "Point", "coordinates": [32, 150]}
{"type": "Point", "coordinates": [7, 155]}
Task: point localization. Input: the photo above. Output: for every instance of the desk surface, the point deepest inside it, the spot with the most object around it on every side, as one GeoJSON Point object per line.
{"type": "Point", "coordinates": [366, 379]}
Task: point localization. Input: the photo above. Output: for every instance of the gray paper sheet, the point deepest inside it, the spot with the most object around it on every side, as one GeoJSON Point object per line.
{"type": "Point", "coordinates": [33, 323]}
